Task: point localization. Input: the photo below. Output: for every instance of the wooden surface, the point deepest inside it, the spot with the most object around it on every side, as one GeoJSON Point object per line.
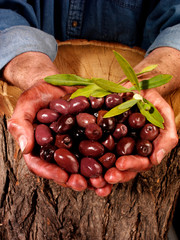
{"type": "Point", "coordinates": [38, 209]}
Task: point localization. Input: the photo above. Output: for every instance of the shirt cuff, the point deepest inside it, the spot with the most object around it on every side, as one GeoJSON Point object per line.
{"type": "Point", "coordinates": [19, 39]}
{"type": "Point", "coordinates": [169, 37]}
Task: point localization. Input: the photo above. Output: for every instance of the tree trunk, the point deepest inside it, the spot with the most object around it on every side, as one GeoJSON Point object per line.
{"type": "Point", "coordinates": [38, 209]}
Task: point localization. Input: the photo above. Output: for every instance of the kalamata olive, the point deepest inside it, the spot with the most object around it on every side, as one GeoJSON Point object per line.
{"type": "Point", "coordinates": [60, 105]}
{"type": "Point", "coordinates": [112, 100]}
{"type": "Point", "coordinates": [90, 148]}
{"type": "Point", "coordinates": [93, 131]}
{"type": "Point", "coordinates": [84, 119]}
{"type": "Point", "coordinates": [90, 167]}
{"type": "Point", "coordinates": [120, 131]}
{"type": "Point", "coordinates": [109, 143]}
{"type": "Point", "coordinates": [63, 124]}
{"type": "Point", "coordinates": [47, 152]}
{"type": "Point", "coordinates": [107, 124]}
{"type": "Point", "coordinates": [144, 147]}
{"type": "Point", "coordinates": [78, 134]}
{"type": "Point", "coordinates": [124, 116]}
{"type": "Point", "coordinates": [125, 146]}
{"type": "Point", "coordinates": [47, 115]}
{"type": "Point", "coordinates": [108, 159]}
{"type": "Point", "coordinates": [78, 104]}
{"type": "Point", "coordinates": [66, 160]}
{"type": "Point", "coordinates": [136, 120]}
{"type": "Point", "coordinates": [43, 134]}
{"type": "Point", "coordinates": [149, 132]}
{"type": "Point", "coordinates": [63, 141]}
{"type": "Point", "coordinates": [96, 103]}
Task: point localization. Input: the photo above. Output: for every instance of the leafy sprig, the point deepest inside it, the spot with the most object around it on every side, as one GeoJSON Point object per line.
{"type": "Point", "coordinates": [98, 87]}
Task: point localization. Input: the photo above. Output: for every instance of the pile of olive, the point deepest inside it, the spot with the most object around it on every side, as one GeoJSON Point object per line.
{"type": "Point", "coordinates": [74, 134]}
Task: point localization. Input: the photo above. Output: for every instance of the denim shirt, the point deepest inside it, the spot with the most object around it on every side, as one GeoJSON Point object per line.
{"type": "Point", "coordinates": [33, 25]}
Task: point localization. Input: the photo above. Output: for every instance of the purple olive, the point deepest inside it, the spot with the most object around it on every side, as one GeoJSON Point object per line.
{"type": "Point", "coordinates": [93, 131]}
{"type": "Point", "coordinates": [84, 119]}
{"type": "Point", "coordinates": [96, 103]}
{"type": "Point", "coordinates": [78, 104]}
{"type": "Point", "coordinates": [125, 146]}
{"type": "Point", "coordinates": [144, 147]}
{"type": "Point", "coordinates": [43, 134]}
{"type": "Point", "coordinates": [108, 159]}
{"type": "Point", "coordinates": [60, 105]}
{"type": "Point", "coordinates": [112, 100]}
{"type": "Point", "coordinates": [90, 167]}
{"type": "Point", "coordinates": [66, 160]}
{"type": "Point", "coordinates": [136, 120]}
{"type": "Point", "coordinates": [63, 141]}
{"type": "Point", "coordinates": [90, 148]}
{"type": "Point", "coordinates": [47, 115]}
{"type": "Point", "coordinates": [120, 131]}
{"type": "Point", "coordinates": [47, 152]}
{"type": "Point", "coordinates": [109, 143]}
{"type": "Point", "coordinates": [149, 132]}
{"type": "Point", "coordinates": [63, 124]}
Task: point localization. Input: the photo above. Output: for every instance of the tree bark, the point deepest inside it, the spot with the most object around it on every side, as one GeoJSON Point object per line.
{"type": "Point", "coordinates": [38, 209]}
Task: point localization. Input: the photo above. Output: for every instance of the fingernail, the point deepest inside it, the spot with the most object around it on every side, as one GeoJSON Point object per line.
{"type": "Point", "coordinates": [160, 155]}
{"type": "Point", "coordinates": [22, 142]}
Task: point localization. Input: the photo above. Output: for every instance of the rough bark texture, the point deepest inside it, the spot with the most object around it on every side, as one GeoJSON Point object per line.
{"type": "Point", "coordinates": [37, 209]}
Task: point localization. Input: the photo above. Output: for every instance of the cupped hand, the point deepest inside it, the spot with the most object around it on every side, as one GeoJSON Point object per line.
{"type": "Point", "coordinates": [127, 167]}
{"type": "Point", "coordinates": [21, 127]}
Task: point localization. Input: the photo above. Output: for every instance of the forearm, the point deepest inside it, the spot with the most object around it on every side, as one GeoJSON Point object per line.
{"type": "Point", "coordinates": [29, 68]}
{"type": "Point", "coordinates": [168, 61]}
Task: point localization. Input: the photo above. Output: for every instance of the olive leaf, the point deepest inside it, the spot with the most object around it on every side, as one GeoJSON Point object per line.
{"type": "Point", "coordinates": [123, 107]}
{"type": "Point", "coordinates": [151, 115]}
{"type": "Point", "coordinates": [100, 93]}
{"type": "Point", "coordinates": [153, 82]}
{"type": "Point", "coordinates": [110, 86]}
{"type": "Point", "coordinates": [67, 80]}
{"type": "Point", "coordinates": [128, 70]}
{"type": "Point", "coordinates": [86, 91]}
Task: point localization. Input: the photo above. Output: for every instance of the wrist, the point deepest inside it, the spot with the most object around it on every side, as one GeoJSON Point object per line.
{"type": "Point", "coordinates": [28, 69]}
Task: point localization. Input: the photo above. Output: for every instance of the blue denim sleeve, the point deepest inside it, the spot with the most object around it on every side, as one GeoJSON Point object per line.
{"type": "Point", "coordinates": [19, 32]}
{"type": "Point", "coordinates": [19, 39]}
{"type": "Point", "coordinates": [163, 26]}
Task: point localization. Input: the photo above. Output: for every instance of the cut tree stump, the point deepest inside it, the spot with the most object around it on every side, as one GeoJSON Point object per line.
{"type": "Point", "coordinates": [38, 209]}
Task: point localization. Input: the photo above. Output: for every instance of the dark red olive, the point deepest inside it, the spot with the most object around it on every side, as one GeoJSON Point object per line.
{"type": "Point", "coordinates": [47, 115]}
{"type": "Point", "coordinates": [47, 152]}
{"type": "Point", "coordinates": [124, 116]}
{"type": "Point", "coordinates": [90, 148]}
{"type": "Point", "coordinates": [60, 105]}
{"type": "Point", "coordinates": [136, 120]}
{"type": "Point", "coordinates": [93, 131]}
{"type": "Point", "coordinates": [108, 159]}
{"type": "Point", "coordinates": [149, 132]}
{"type": "Point", "coordinates": [144, 147]}
{"type": "Point", "coordinates": [125, 146]}
{"type": "Point", "coordinates": [96, 103]}
{"type": "Point", "coordinates": [90, 167]}
{"type": "Point", "coordinates": [63, 124]}
{"type": "Point", "coordinates": [109, 143]}
{"type": "Point", "coordinates": [66, 160]}
{"type": "Point", "coordinates": [43, 135]}
{"type": "Point", "coordinates": [63, 141]}
{"type": "Point", "coordinates": [112, 100]}
{"type": "Point", "coordinates": [120, 131]}
{"type": "Point", "coordinates": [84, 119]}
{"type": "Point", "coordinates": [78, 104]}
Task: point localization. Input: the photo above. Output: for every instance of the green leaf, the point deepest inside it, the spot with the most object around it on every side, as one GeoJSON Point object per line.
{"type": "Point", "coordinates": [85, 91]}
{"type": "Point", "coordinates": [110, 86]}
{"type": "Point", "coordinates": [115, 111]}
{"type": "Point", "coordinates": [100, 93]}
{"type": "Point", "coordinates": [67, 80]}
{"type": "Point", "coordinates": [154, 82]}
{"type": "Point", "coordinates": [147, 69]}
{"type": "Point", "coordinates": [152, 115]}
{"type": "Point", "coordinates": [128, 70]}
{"type": "Point", "coordinates": [128, 104]}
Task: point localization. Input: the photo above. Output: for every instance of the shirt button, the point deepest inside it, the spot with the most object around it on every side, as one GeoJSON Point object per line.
{"type": "Point", "coordinates": [74, 24]}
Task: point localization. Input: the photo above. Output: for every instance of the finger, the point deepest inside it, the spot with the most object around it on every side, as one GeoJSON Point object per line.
{"type": "Point", "coordinates": [98, 182]}
{"type": "Point", "coordinates": [168, 137]}
{"type": "Point", "coordinates": [133, 163]}
{"type": "Point", "coordinates": [44, 169]}
{"type": "Point", "coordinates": [113, 175]}
{"type": "Point", "coordinates": [104, 191]}
{"type": "Point", "coordinates": [77, 182]}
